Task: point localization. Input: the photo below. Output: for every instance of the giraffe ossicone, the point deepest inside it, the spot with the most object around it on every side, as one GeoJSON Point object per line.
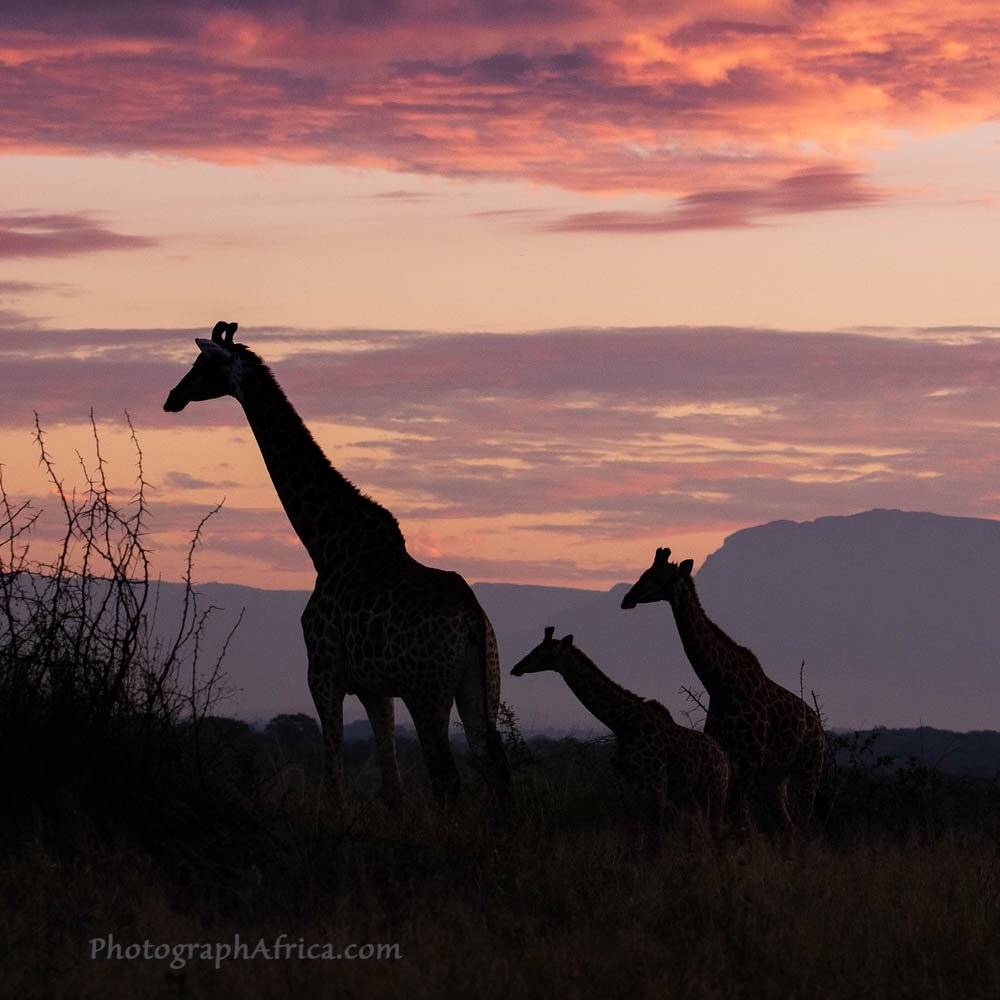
{"type": "Point", "coordinates": [379, 624]}
{"type": "Point", "coordinates": [774, 740]}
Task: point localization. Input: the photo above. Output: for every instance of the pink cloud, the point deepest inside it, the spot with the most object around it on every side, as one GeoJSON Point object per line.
{"type": "Point", "coordinates": [18, 287]}
{"type": "Point", "coordinates": [814, 190]}
{"type": "Point", "coordinates": [590, 436]}
{"type": "Point", "coordinates": [26, 234]}
{"type": "Point", "coordinates": [740, 116]}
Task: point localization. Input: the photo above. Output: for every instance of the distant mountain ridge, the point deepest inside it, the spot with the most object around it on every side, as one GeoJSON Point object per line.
{"type": "Point", "coordinates": [895, 614]}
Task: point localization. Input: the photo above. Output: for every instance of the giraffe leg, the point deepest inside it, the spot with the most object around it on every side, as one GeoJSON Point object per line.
{"type": "Point", "coordinates": [325, 688]}
{"type": "Point", "coordinates": [431, 722]}
{"type": "Point", "coordinates": [329, 702]}
{"type": "Point", "coordinates": [801, 797]}
{"type": "Point", "coordinates": [803, 787]}
{"type": "Point", "coordinates": [479, 720]}
{"type": "Point", "coordinates": [716, 793]}
{"type": "Point", "coordinates": [740, 799]}
{"type": "Point", "coordinates": [772, 797]}
{"type": "Point", "coordinates": [629, 792]}
{"type": "Point", "coordinates": [382, 715]}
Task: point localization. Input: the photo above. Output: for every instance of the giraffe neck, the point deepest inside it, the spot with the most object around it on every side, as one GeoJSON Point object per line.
{"type": "Point", "coordinates": [609, 702]}
{"type": "Point", "coordinates": [720, 663]}
{"type": "Point", "coordinates": [336, 523]}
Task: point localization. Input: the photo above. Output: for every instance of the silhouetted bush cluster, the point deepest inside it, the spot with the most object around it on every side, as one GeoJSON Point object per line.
{"type": "Point", "coordinates": [91, 702]}
{"type": "Point", "coordinates": [869, 786]}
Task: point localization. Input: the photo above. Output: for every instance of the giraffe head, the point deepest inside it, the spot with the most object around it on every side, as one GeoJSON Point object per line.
{"type": "Point", "coordinates": [549, 654]}
{"type": "Point", "coordinates": [660, 582]}
{"type": "Point", "coordinates": [216, 371]}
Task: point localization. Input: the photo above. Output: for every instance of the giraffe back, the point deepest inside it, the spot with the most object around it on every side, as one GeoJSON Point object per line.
{"type": "Point", "coordinates": [671, 764]}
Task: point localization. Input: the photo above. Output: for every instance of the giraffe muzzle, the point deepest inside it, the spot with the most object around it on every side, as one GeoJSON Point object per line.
{"type": "Point", "coordinates": [175, 402]}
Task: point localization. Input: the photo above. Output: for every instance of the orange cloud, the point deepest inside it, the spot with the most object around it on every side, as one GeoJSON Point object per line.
{"type": "Point", "coordinates": [592, 96]}
{"type": "Point", "coordinates": [505, 454]}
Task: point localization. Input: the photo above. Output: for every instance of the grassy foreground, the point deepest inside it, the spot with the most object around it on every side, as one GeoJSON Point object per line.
{"type": "Point", "coordinates": [557, 895]}
{"type": "Point", "coordinates": [134, 823]}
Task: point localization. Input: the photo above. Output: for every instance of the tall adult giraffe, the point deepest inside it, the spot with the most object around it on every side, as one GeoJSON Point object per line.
{"type": "Point", "coordinates": [379, 624]}
{"type": "Point", "coordinates": [774, 740]}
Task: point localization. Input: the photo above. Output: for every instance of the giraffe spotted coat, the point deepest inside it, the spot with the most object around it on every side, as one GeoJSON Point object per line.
{"type": "Point", "coordinates": [774, 740]}
{"type": "Point", "coordinates": [669, 768]}
{"type": "Point", "coordinates": [379, 624]}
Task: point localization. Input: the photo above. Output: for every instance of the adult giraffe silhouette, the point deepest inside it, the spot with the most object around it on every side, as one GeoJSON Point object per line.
{"type": "Point", "coordinates": [775, 741]}
{"type": "Point", "coordinates": [379, 624]}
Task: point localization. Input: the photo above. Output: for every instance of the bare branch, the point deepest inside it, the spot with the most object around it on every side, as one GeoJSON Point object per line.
{"type": "Point", "coordinates": [696, 698]}
{"type": "Point", "coordinates": [84, 677]}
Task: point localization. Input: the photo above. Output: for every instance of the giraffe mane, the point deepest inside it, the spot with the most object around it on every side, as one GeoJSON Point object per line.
{"type": "Point", "coordinates": [638, 698]}
{"type": "Point", "coordinates": [258, 364]}
{"type": "Point", "coordinates": [715, 629]}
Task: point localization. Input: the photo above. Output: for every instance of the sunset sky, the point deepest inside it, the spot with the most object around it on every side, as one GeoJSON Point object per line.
{"type": "Point", "coordinates": [556, 281]}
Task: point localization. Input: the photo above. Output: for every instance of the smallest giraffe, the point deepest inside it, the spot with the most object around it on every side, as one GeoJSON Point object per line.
{"type": "Point", "coordinates": [669, 767]}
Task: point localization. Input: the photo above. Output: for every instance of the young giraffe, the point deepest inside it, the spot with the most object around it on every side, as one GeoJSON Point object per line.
{"type": "Point", "coordinates": [666, 765]}
{"type": "Point", "coordinates": [774, 740]}
{"type": "Point", "coordinates": [379, 624]}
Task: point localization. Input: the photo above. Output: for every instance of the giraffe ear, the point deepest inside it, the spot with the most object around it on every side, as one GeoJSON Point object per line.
{"type": "Point", "coordinates": [212, 349]}
{"type": "Point", "coordinates": [686, 567]}
{"type": "Point", "coordinates": [566, 642]}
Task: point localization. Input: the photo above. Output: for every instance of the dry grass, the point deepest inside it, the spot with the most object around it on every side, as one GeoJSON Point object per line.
{"type": "Point", "coordinates": [121, 819]}
{"type": "Point", "coordinates": [555, 897]}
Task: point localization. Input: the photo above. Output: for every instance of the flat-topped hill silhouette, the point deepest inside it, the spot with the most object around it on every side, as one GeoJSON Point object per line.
{"type": "Point", "coordinates": [895, 613]}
